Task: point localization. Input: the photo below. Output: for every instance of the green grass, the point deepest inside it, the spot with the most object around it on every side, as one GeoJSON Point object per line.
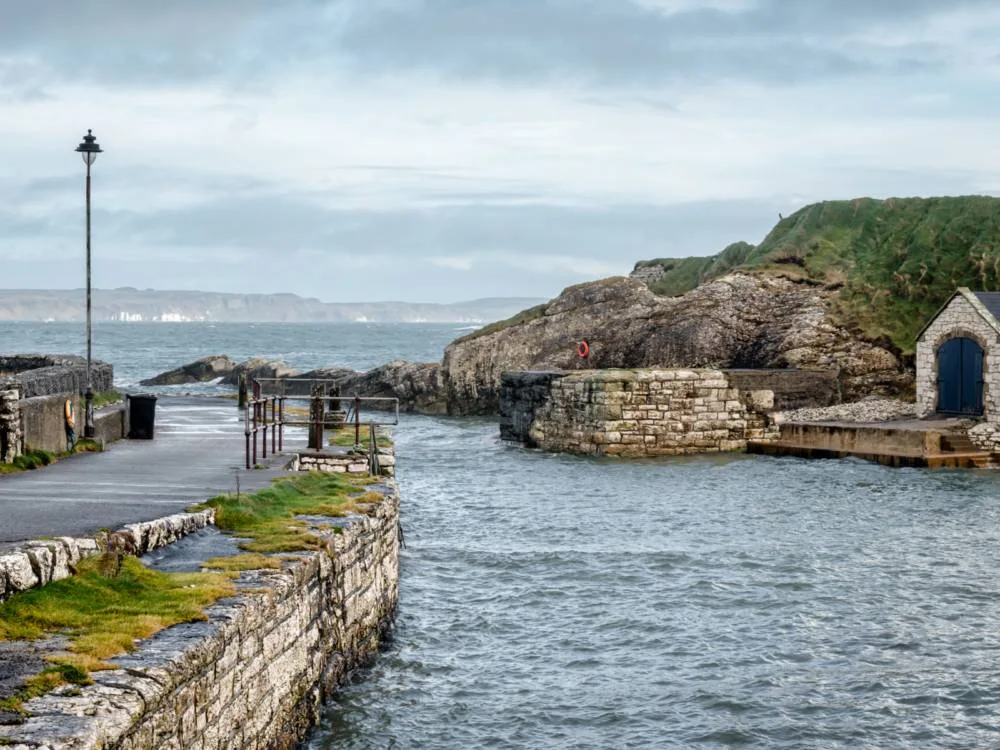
{"type": "Point", "coordinates": [103, 616]}
{"type": "Point", "coordinates": [106, 398]}
{"type": "Point", "coordinates": [29, 461]}
{"type": "Point", "coordinates": [344, 437]}
{"type": "Point", "coordinates": [267, 519]}
{"type": "Point", "coordinates": [239, 563]}
{"type": "Point", "coordinates": [895, 261]}
{"type": "Point", "coordinates": [525, 316]}
{"type": "Point", "coordinates": [34, 458]}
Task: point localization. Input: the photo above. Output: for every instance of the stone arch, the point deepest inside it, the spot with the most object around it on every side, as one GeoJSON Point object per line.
{"type": "Point", "coordinates": [961, 332]}
{"type": "Point", "coordinates": [958, 332]}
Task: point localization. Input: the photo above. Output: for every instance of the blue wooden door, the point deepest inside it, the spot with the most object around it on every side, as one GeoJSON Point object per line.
{"type": "Point", "coordinates": [960, 377]}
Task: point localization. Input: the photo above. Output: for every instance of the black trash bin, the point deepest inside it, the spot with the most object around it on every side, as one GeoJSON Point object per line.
{"type": "Point", "coordinates": [141, 416]}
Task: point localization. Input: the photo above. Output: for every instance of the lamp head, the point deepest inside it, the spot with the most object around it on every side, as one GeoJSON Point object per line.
{"type": "Point", "coordinates": [88, 148]}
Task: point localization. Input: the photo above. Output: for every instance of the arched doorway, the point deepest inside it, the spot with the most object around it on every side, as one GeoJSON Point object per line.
{"type": "Point", "coordinates": [960, 377]}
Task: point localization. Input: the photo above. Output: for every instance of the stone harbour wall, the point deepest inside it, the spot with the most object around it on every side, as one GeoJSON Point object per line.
{"type": "Point", "coordinates": [339, 463]}
{"type": "Point", "coordinates": [46, 375]}
{"type": "Point", "coordinates": [642, 413]}
{"type": "Point", "coordinates": [522, 396]}
{"type": "Point", "coordinates": [35, 418]}
{"type": "Point", "coordinates": [256, 673]}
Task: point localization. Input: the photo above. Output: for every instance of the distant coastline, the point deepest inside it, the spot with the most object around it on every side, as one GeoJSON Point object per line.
{"type": "Point", "coordinates": [129, 305]}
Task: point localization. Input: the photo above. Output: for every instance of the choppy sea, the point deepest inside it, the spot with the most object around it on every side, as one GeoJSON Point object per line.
{"type": "Point", "coordinates": [556, 602]}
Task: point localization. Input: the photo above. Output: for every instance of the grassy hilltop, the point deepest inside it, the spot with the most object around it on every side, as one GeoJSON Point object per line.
{"type": "Point", "coordinates": [894, 261]}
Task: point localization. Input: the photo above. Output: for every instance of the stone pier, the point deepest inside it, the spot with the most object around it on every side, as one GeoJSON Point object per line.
{"type": "Point", "coordinates": [634, 412]}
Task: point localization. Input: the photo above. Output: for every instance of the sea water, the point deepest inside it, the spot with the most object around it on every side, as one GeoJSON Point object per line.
{"type": "Point", "coordinates": [732, 601]}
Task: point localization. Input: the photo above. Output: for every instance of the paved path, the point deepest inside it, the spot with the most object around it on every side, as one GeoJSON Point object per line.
{"type": "Point", "coordinates": [197, 454]}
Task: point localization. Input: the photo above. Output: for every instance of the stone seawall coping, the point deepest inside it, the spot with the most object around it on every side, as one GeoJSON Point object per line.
{"type": "Point", "coordinates": [36, 563]}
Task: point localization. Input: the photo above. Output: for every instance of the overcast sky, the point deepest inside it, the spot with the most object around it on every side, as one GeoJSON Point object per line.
{"type": "Point", "coordinates": [439, 150]}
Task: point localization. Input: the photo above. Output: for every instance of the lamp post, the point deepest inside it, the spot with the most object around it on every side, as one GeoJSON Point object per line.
{"type": "Point", "coordinates": [89, 150]}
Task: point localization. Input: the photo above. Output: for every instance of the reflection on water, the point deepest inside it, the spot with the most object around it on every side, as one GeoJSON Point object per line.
{"type": "Point", "coordinates": [553, 602]}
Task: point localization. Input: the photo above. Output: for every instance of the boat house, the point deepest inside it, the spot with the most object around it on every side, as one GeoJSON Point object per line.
{"type": "Point", "coordinates": [958, 358]}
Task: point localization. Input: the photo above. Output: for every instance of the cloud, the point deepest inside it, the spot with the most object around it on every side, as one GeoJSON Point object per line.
{"type": "Point", "coordinates": [459, 148]}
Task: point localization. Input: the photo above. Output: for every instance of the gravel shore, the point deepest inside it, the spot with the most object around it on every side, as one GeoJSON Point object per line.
{"type": "Point", "coordinates": [869, 410]}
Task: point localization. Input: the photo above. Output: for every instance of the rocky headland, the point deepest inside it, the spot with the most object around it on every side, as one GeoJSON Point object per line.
{"type": "Point", "coordinates": [840, 286]}
{"type": "Point", "coordinates": [738, 321]}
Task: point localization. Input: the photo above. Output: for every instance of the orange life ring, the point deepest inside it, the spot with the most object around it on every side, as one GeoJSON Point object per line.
{"type": "Point", "coordinates": [583, 349]}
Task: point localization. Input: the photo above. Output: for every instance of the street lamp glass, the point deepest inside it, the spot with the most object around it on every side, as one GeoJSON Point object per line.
{"type": "Point", "coordinates": [89, 148]}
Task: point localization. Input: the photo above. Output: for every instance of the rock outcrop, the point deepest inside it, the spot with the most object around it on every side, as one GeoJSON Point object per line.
{"type": "Point", "coordinates": [737, 321]}
{"type": "Point", "coordinates": [259, 367]}
{"type": "Point", "coordinates": [418, 386]}
{"type": "Point", "coordinates": [200, 371]}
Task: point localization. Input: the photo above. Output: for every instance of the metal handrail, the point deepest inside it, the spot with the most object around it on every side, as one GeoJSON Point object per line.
{"type": "Point", "coordinates": [256, 419]}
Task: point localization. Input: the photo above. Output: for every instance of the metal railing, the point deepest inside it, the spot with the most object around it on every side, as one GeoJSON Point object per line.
{"type": "Point", "coordinates": [265, 414]}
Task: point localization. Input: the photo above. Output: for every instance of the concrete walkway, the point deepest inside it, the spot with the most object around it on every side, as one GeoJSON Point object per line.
{"type": "Point", "coordinates": [197, 454]}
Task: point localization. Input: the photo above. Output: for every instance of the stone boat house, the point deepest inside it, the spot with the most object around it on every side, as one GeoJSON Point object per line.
{"type": "Point", "coordinates": [958, 358]}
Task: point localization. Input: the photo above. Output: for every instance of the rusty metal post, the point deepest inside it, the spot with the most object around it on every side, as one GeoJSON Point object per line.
{"type": "Point", "coordinates": [281, 423]}
{"type": "Point", "coordinates": [316, 405]}
{"type": "Point", "coordinates": [274, 424]}
{"type": "Point", "coordinates": [263, 409]}
{"type": "Point", "coordinates": [246, 431]}
{"type": "Point", "coordinates": [256, 416]}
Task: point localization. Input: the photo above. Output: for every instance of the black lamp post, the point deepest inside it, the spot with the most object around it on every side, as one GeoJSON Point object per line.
{"type": "Point", "coordinates": [89, 150]}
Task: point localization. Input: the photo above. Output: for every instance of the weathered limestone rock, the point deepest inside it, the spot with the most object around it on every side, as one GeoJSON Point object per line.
{"type": "Point", "coordinates": [11, 439]}
{"type": "Point", "coordinates": [418, 386]}
{"type": "Point", "coordinates": [200, 371]}
{"type": "Point", "coordinates": [258, 367]}
{"type": "Point", "coordinates": [738, 321]}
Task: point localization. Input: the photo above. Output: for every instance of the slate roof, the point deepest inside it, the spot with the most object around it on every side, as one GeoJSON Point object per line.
{"type": "Point", "coordinates": [991, 301]}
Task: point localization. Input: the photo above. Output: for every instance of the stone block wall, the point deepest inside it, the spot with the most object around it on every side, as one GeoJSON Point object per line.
{"type": "Point", "coordinates": [522, 395]}
{"type": "Point", "coordinates": [44, 375]}
{"type": "Point", "coordinates": [647, 413]}
{"type": "Point", "coordinates": [43, 383]}
{"type": "Point", "coordinates": [961, 318]}
{"type": "Point", "coordinates": [792, 389]}
{"type": "Point", "coordinates": [340, 463]}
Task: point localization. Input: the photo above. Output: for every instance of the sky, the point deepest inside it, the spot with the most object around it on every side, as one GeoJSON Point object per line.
{"type": "Point", "coordinates": [445, 150]}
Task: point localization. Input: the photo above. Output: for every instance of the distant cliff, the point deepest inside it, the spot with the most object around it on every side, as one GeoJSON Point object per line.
{"type": "Point", "coordinates": [129, 304]}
